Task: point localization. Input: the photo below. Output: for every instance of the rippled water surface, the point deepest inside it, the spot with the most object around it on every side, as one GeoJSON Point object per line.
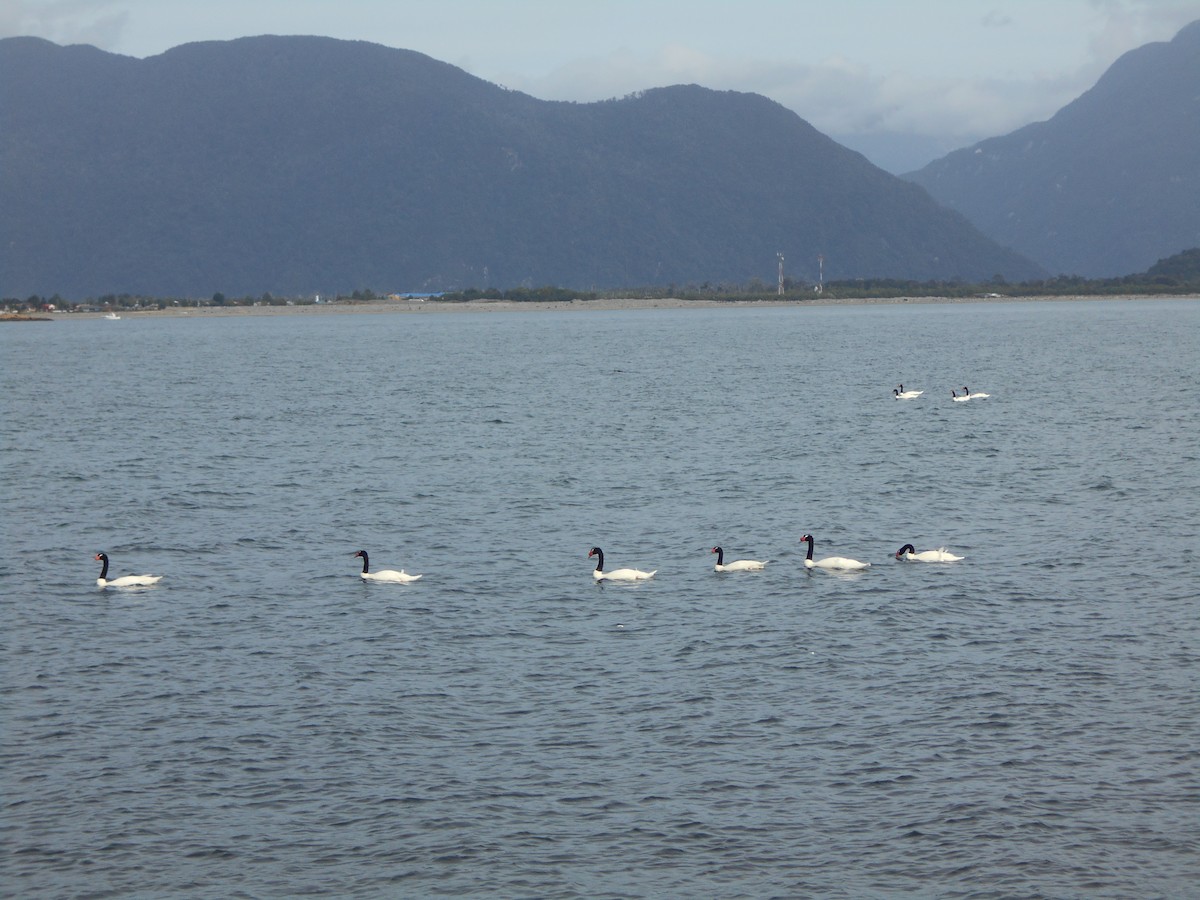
{"type": "Point", "coordinates": [1024, 723]}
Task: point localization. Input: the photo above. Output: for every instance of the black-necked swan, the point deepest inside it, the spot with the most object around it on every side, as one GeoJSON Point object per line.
{"type": "Point", "coordinates": [829, 562]}
{"type": "Point", "coordinates": [979, 396]}
{"type": "Point", "coordinates": [124, 580]}
{"type": "Point", "coordinates": [738, 565]}
{"type": "Point", "coordinates": [616, 574]}
{"type": "Point", "coordinates": [958, 399]}
{"type": "Point", "coordinates": [908, 551]}
{"type": "Point", "coordinates": [902, 394]}
{"type": "Point", "coordinates": [391, 575]}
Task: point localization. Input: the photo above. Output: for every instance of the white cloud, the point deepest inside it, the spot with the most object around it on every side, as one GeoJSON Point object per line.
{"type": "Point", "coordinates": [97, 22]}
{"type": "Point", "coordinates": [837, 95]}
{"type": "Point", "coordinates": [1123, 24]}
{"type": "Point", "coordinates": [956, 69]}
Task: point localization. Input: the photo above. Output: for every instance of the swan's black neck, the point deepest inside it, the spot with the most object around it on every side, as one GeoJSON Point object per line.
{"type": "Point", "coordinates": [720, 555]}
{"type": "Point", "coordinates": [104, 570]}
{"type": "Point", "coordinates": [907, 548]}
{"type": "Point", "coordinates": [599, 554]}
{"type": "Point", "coordinates": [808, 538]}
{"type": "Point", "coordinates": [366, 561]}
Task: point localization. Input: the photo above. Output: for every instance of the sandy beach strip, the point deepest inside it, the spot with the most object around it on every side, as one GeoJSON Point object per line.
{"type": "Point", "coordinates": [604, 304]}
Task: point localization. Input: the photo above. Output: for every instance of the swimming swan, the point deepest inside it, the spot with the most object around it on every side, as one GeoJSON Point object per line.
{"type": "Point", "coordinates": [738, 565]}
{"type": "Point", "coordinates": [958, 399]}
{"type": "Point", "coordinates": [902, 394]}
{"type": "Point", "coordinates": [124, 580]}
{"type": "Point", "coordinates": [830, 562]}
{"type": "Point", "coordinates": [389, 575]}
{"type": "Point", "coordinates": [967, 392]}
{"type": "Point", "coordinates": [908, 551]}
{"type": "Point", "coordinates": [616, 574]}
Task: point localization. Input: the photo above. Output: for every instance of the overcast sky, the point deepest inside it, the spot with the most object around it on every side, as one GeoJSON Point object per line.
{"type": "Point", "coordinates": [925, 76]}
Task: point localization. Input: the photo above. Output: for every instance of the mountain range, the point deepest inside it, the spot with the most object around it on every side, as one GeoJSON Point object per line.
{"type": "Point", "coordinates": [297, 165]}
{"type": "Point", "coordinates": [1107, 186]}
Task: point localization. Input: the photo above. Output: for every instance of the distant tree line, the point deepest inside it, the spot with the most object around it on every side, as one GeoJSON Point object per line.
{"type": "Point", "coordinates": [520, 295]}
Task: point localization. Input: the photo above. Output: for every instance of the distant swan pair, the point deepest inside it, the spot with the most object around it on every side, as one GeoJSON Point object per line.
{"type": "Point", "coordinates": [901, 394]}
{"type": "Point", "coordinates": [967, 395]}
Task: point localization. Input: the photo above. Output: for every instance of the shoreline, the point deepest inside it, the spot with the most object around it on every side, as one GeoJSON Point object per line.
{"type": "Point", "coordinates": [608, 305]}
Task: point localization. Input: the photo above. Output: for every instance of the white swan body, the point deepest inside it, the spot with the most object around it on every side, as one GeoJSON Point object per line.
{"type": "Point", "coordinates": [830, 562]}
{"type": "Point", "coordinates": [957, 399]}
{"type": "Point", "coordinates": [738, 565]}
{"type": "Point", "coordinates": [901, 394]}
{"type": "Point", "coordinates": [616, 574]}
{"type": "Point", "coordinates": [908, 551]}
{"type": "Point", "coordinates": [977, 396]}
{"type": "Point", "coordinates": [388, 575]}
{"type": "Point", "coordinates": [125, 580]}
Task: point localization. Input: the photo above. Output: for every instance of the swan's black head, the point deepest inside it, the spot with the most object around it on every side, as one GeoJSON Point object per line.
{"type": "Point", "coordinates": [715, 550]}
{"type": "Point", "coordinates": [807, 537]}
{"type": "Point", "coordinates": [907, 548]}
{"type": "Point", "coordinates": [595, 551]}
{"type": "Point", "coordinates": [362, 553]}
{"type": "Point", "coordinates": [103, 557]}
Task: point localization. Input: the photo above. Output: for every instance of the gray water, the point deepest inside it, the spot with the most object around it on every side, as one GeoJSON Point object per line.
{"type": "Point", "coordinates": [1024, 723]}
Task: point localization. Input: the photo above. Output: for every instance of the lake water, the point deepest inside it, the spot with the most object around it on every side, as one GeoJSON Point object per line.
{"type": "Point", "coordinates": [1024, 723]}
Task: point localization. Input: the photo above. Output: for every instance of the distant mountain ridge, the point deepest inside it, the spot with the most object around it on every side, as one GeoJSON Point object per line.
{"type": "Point", "coordinates": [303, 164]}
{"type": "Point", "coordinates": [1105, 187]}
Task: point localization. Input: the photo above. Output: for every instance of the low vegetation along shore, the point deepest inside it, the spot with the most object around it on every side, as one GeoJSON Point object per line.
{"type": "Point", "coordinates": [1176, 276]}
